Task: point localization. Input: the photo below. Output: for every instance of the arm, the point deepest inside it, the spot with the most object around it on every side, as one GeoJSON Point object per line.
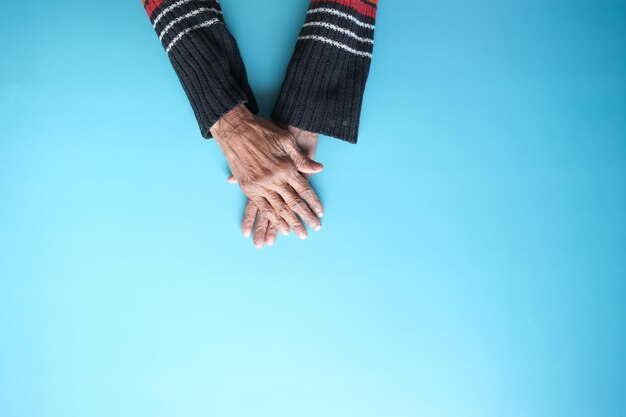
{"type": "Point", "coordinates": [204, 55]}
{"type": "Point", "coordinates": [264, 159]}
{"type": "Point", "coordinates": [325, 80]}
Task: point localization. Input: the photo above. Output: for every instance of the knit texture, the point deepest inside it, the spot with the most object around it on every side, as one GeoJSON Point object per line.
{"type": "Point", "coordinates": [204, 55]}
{"type": "Point", "coordinates": [325, 81]}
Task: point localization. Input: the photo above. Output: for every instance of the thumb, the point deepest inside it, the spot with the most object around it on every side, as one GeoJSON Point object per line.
{"type": "Point", "coordinates": [302, 162]}
{"type": "Point", "coordinates": [231, 179]}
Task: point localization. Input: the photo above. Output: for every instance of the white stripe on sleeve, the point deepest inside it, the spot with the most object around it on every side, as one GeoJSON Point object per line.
{"type": "Point", "coordinates": [337, 44]}
{"type": "Point", "coordinates": [339, 29]}
{"type": "Point", "coordinates": [338, 13]}
{"type": "Point", "coordinates": [183, 17]}
{"type": "Point", "coordinates": [170, 8]}
{"type": "Point", "coordinates": [189, 29]}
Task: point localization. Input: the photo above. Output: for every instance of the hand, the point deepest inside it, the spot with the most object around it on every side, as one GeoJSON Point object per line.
{"type": "Point", "coordinates": [268, 166]}
{"type": "Point", "coordinates": [265, 232]}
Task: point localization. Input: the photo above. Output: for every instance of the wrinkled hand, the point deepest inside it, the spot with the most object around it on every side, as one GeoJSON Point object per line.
{"type": "Point", "coordinates": [267, 164]}
{"type": "Point", "coordinates": [266, 231]}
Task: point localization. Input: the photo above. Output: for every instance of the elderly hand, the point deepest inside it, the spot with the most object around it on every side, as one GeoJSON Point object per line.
{"type": "Point", "coordinates": [267, 164]}
{"type": "Point", "coordinates": [265, 231]}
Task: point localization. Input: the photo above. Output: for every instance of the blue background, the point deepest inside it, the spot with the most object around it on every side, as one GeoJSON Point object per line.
{"type": "Point", "coordinates": [473, 255]}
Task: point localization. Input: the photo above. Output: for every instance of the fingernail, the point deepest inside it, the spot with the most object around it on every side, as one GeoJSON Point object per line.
{"type": "Point", "coordinates": [246, 233]}
{"type": "Point", "coordinates": [302, 236]}
{"type": "Point", "coordinates": [270, 242]}
{"type": "Point", "coordinates": [320, 214]}
{"type": "Point", "coordinates": [318, 228]}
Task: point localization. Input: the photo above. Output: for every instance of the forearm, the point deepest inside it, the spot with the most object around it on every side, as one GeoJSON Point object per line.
{"type": "Point", "coordinates": [325, 81]}
{"type": "Point", "coordinates": [204, 55]}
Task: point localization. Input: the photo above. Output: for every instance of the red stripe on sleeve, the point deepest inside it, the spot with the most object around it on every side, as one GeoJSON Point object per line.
{"type": "Point", "coordinates": [356, 5]}
{"type": "Point", "coordinates": [153, 4]}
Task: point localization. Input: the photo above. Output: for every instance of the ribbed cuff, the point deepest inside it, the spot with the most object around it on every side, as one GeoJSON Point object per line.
{"type": "Point", "coordinates": [205, 57]}
{"type": "Point", "coordinates": [325, 81]}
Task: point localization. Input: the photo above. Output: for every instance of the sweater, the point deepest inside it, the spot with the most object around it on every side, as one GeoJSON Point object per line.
{"type": "Point", "coordinates": [324, 82]}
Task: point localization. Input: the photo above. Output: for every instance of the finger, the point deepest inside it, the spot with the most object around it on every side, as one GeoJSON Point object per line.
{"type": "Point", "coordinates": [266, 210]}
{"type": "Point", "coordinates": [249, 214]}
{"type": "Point", "coordinates": [283, 210]}
{"type": "Point", "coordinates": [231, 179]}
{"type": "Point", "coordinates": [304, 189]}
{"type": "Point", "coordinates": [302, 162]}
{"type": "Point", "coordinates": [270, 236]}
{"type": "Point", "coordinates": [259, 232]}
{"type": "Point", "coordinates": [299, 207]}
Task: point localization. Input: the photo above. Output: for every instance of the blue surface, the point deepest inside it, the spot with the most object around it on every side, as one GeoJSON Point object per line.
{"type": "Point", "coordinates": [473, 255]}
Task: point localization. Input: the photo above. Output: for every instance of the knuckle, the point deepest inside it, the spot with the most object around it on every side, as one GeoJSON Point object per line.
{"type": "Point", "coordinates": [296, 204]}
{"type": "Point", "coordinates": [258, 179]}
{"type": "Point", "coordinates": [282, 170]}
{"type": "Point", "coordinates": [284, 166]}
{"type": "Point", "coordinates": [267, 213]}
{"type": "Point", "coordinates": [308, 193]}
{"type": "Point", "coordinates": [303, 207]}
{"type": "Point", "coordinates": [295, 177]}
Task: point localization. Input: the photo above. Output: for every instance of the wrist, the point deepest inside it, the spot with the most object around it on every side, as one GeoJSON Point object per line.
{"type": "Point", "coordinates": [227, 125]}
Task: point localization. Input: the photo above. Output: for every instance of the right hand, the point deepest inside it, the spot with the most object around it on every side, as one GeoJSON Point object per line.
{"type": "Point", "coordinates": [264, 230]}
{"type": "Point", "coordinates": [269, 167]}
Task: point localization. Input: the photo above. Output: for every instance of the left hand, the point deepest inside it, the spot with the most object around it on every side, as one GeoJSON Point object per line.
{"type": "Point", "coordinates": [265, 231]}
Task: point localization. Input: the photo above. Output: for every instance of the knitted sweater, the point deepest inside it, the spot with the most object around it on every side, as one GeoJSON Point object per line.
{"type": "Point", "coordinates": [325, 80]}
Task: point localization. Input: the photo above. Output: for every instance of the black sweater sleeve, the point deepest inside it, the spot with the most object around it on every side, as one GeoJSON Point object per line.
{"type": "Point", "coordinates": [325, 81]}
{"type": "Point", "coordinates": [204, 55]}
